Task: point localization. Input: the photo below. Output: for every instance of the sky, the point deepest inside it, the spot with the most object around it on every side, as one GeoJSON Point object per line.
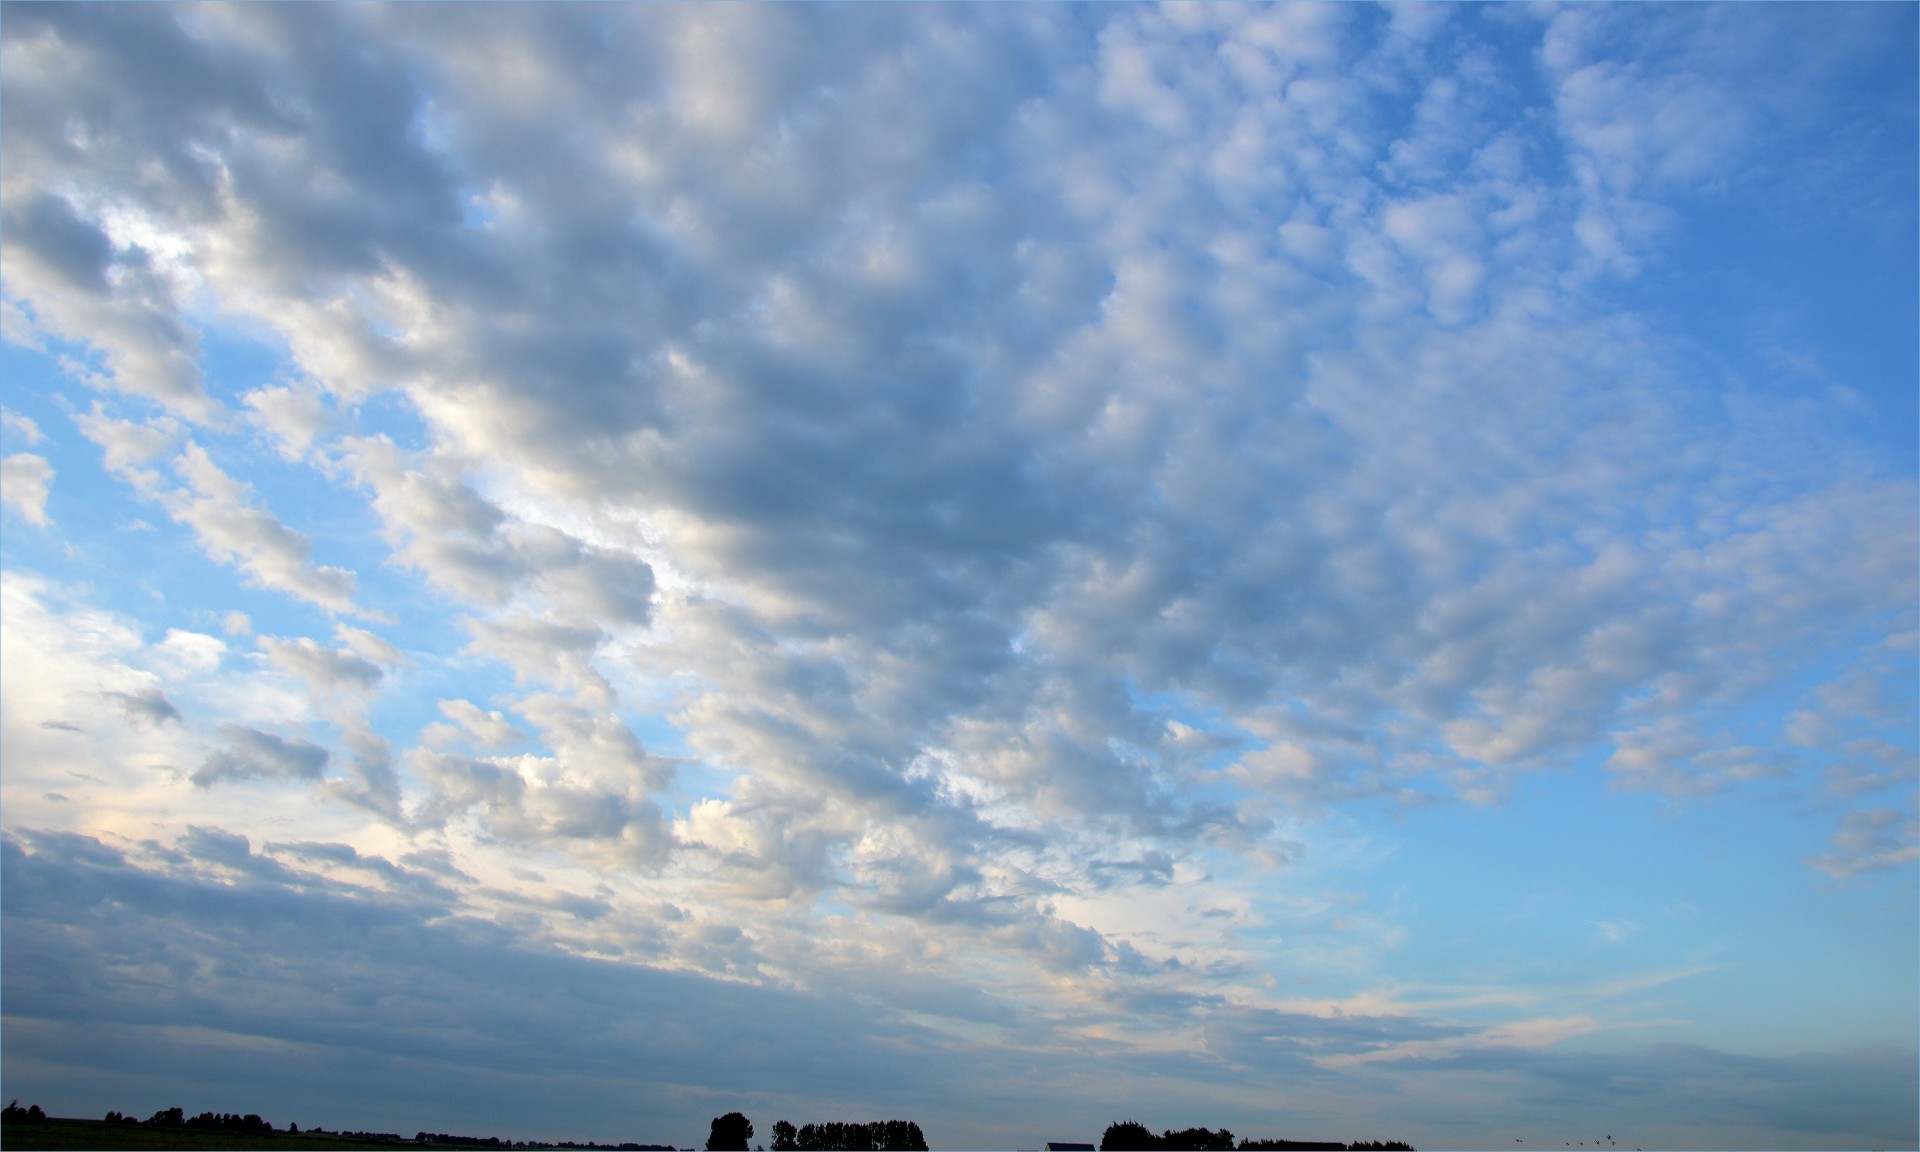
{"type": "Point", "coordinates": [1340, 572]}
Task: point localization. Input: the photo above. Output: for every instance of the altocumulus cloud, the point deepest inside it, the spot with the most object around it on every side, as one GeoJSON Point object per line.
{"type": "Point", "coordinates": [1037, 468]}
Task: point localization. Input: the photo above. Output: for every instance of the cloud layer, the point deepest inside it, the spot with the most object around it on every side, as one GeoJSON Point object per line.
{"type": "Point", "coordinates": [1040, 467]}
{"type": "Point", "coordinates": [321, 963]}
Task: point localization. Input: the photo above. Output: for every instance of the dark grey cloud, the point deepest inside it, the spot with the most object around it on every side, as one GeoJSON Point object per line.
{"type": "Point", "coordinates": [251, 753]}
{"type": "Point", "coordinates": [332, 976]}
{"type": "Point", "coordinates": [47, 230]}
{"type": "Point", "coordinates": [232, 973]}
{"type": "Point", "coordinates": [146, 705]}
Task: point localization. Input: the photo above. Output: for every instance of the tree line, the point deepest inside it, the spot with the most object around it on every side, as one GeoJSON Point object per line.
{"type": "Point", "coordinates": [496, 1142]}
{"type": "Point", "coordinates": [731, 1133]}
{"type": "Point", "coordinates": [1133, 1136]}
{"type": "Point", "coordinates": [176, 1119]}
{"type": "Point", "coordinates": [248, 1125]}
{"type": "Point", "coordinates": [879, 1136]}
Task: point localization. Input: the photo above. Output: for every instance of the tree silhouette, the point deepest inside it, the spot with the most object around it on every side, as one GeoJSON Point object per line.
{"type": "Point", "coordinates": [1129, 1136]}
{"type": "Point", "coordinates": [1197, 1140]}
{"type": "Point", "coordinates": [730, 1133]}
{"type": "Point", "coordinates": [898, 1136]}
{"type": "Point", "coordinates": [1133, 1136]}
{"type": "Point", "coordinates": [836, 1136]}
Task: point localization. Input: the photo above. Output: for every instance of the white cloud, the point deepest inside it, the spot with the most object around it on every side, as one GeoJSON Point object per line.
{"type": "Point", "coordinates": [1614, 931]}
{"type": "Point", "coordinates": [368, 646]}
{"type": "Point", "coordinates": [16, 327]}
{"type": "Point", "coordinates": [21, 426]}
{"type": "Point", "coordinates": [219, 509]}
{"type": "Point", "coordinates": [574, 799]}
{"type": "Point", "coordinates": [127, 446]}
{"type": "Point", "coordinates": [491, 729]}
{"type": "Point", "coordinates": [27, 479]}
{"type": "Point", "coordinates": [296, 416]}
{"type": "Point", "coordinates": [1871, 840]}
{"type": "Point", "coordinates": [114, 719]}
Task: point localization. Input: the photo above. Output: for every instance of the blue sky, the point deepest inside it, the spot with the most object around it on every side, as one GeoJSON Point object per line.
{"type": "Point", "coordinates": [1342, 572]}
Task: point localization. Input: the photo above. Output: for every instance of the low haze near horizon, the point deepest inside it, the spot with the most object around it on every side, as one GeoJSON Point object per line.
{"type": "Point", "coordinates": [1340, 572]}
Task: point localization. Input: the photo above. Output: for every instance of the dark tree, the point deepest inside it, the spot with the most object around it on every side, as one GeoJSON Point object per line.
{"type": "Point", "coordinates": [897, 1136]}
{"type": "Point", "coordinates": [169, 1118]}
{"type": "Point", "coordinates": [1197, 1140]}
{"type": "Point", "coordinates": [785, 1139]}
{"type": "Point", "coordinates": [846, 1137]}
{"type": "Point", "coordinates": [1129, 1136]}
{"type": "Point", "coordinates": [730, 1133]}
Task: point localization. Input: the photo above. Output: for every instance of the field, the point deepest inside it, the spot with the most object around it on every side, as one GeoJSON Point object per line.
{"type": "Point", "coordinates": [54, 1134]}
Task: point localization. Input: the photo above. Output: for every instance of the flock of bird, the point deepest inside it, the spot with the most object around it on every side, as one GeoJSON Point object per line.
{"type": "Point", "coordinates": [1608, 1143]}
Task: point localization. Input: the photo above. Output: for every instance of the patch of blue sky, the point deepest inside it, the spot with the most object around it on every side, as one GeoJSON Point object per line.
{"type": "Point", "coordinates": [1188, 710]}
{"type": "Point", "coordinates": [478, 211]}
{"type": "Point", "coordinates": [1793, 276]}
{"type": "Point", "coordinates": [1572, 883]}
{"type": "Point", "coordinates": [105, 536]}
{"type": "Point", "coordinates": [392, 414]}
{"type": "Point", "coordinates": [1841, 356]}
{"type": "Point", "coordinates": [1765, 720]}
{"type": "Point", "coordinates": [125, 553]}
{"type": "Point", "coordinates": [1492, 52]}
{"type": "Point", "coordinates": [41, 547]}
{"type": "Point", "coordinates": [236, 357]}
{"type": "Point", "coordinates": [410, 696]}
{"type": "Point", "coordinates": [41, 389]}
{"type": "Point", "coordinates": [661, 736]}
{"type": "Point", "coordinates": [330, 509]}
{"type": "Point", "coordinates": [1661, 918]}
